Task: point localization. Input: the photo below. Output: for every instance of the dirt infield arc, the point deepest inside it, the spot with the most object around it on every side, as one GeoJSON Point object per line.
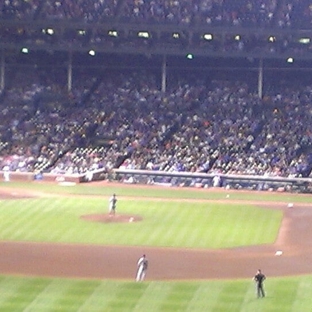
{"type": "Point", "coordinates": [115, 262]}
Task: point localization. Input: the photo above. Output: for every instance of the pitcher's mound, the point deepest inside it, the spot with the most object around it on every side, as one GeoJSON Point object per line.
{"type": "Point", "coordinates": [107, 218]}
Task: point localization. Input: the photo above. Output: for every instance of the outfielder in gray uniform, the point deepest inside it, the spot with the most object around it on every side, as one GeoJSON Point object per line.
{"type": "Point", "coordinates": [141, 268]}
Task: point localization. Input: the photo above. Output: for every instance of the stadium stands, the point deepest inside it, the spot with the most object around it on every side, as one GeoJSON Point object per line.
{"type": "Point", "coordinates": [121, 118]}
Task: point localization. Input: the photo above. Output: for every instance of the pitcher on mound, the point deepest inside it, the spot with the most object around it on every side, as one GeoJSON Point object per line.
{"type": "Point", "coordinates": [112, 205]}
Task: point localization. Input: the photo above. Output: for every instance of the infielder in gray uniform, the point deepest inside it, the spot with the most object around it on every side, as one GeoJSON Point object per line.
{"type": "Point", "coordinates": [141, 268]}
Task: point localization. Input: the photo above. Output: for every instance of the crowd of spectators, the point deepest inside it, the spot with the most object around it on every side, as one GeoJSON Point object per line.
{"type": "Point", "coordinates": [238, 13]}
{"type": "Point", "coordinates": [278, 15]}
{"type": "Point", "coordinates": [123, 120]}
{"type": "Point", "coordinates": [295, 14]}
{"type": "Point", "coordinates": [231, 131]}
{"type": "Point", "coordinates": [246, 13]}
{"type": "Point", "coordinates": [78, 10]}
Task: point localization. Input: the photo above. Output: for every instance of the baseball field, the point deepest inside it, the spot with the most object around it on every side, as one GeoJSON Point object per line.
{"type": "Point", "coordinates": [61, 251]}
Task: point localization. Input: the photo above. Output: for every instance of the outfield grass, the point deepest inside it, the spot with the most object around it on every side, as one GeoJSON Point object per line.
{"type": "Point", "coordinates": [192, 224]}
{"type": "Point", "coordinates": [68, 295]}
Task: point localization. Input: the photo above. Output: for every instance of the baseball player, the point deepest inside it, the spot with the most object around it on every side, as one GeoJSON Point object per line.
{"type": "Point", "coordinates": [6, 173]}
{"type": "Point", "coordinates": [259, 279]}
{"type": "Point", "coordinates": [112, 205]}
{"type": "Point", "coordinates": [141, 268]}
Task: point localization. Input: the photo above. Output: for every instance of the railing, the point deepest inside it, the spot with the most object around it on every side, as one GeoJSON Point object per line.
{"type": "Point", "coordinates": [197, 179]}
{"type": "Point", "coordinates": [181, 179]}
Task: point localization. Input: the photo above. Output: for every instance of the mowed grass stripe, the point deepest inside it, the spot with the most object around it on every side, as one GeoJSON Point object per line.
{"type": "Point", "coordinates": [66, 295]}
{"type": "Point", "coordinates": [45, 300]}
{"type": "Point", "coordinates": [231, 296]}
{"type": "Point", "coordinates": [195, 233]}
{"type": "Point", "coordinates": [238, 232]}
{"type": "Point", "coordinates": [14, 215]}
{"type": "Point", "coordinates": [34, 227]}
{"type": "Point", "coordinates": [126, 297]}
{"type": "Point", "coordinates": [165, 223]}
{"type": "Point", "coordinates": [23, 295]}
{"type": "Point", "coordinates": [205, 296]}
{"type": "Point", "coordinates": [287, 289]}
{"type": "Point", "coordinates": [9, 286]}
{"type": "Point", "coordinates": [152, 298]}
{"type": "Point", "coordinates": [28, 220]}
{"type": "Point", "coordinates": [179, 297]}
{"type": "Point", "coordinates": [75, 294]}
{"type": "Point", "coordinates": [67, 230]}
{"type": "Point", "coordinates": [173, 223]}
{"type": "Point", "coordinates": [249, 299]}
{"type": "Point", "coordinates": [303, 295]}
{"type": "Point", "coordinates": [100, 298]}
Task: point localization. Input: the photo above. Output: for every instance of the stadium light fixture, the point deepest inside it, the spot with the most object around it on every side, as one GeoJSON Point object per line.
{"type": "Point", "coordinates": [24, 50]}
{"type": "Point", "coordinates": [92, 52]}
{"type": "Point", "coordinates": [47, 31]}
{"type": "Point", "coordinates": [290, 60]}
{"type": "Point", "coordinates": [50, 31]}
{"type": "Point", "coordinates": [208, 37]}
{"type": "Point", "coordinates": [81, 32]}
{"type": "Point", "coordinates": [272, 39]}
{"type": "Point", "coordinates": [113, 33]}
{"type": "Point", "coordinates": [143, 34]}
{"type": "Point", "coordinates": [305, 40]}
